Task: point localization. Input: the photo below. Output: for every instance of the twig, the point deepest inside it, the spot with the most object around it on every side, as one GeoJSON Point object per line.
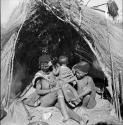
{"type": "Point", "coordinates": [115, 95]}
{"type": "Point", "coordinates": [27, 112]}
{"type": "Point", "coordinates": [80, 20]}
{"type": "Point", "coordinates": [87, 2]}
{"type": "Point", "coordinates": [121, 85]}
{"type": "Point", "coordinates": [12, 62]}
{"type": "Point", "coordinates": [99, 5]}
{"type": "Point", "coordinates": [98, 9]}
{"type": "Point", "coordinates": [53, 12]}
{"type": "Point", "coordinates": [121, 91]}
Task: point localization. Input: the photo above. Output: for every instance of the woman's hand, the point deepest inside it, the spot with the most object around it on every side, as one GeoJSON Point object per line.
{"type": "Point", "coordinates": [55, 89]}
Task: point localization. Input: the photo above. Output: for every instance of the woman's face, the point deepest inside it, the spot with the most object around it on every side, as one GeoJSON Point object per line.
{"type": "Point", "coordinates": [79, 74]}
{"type": "Point", "coordinates": [44, 66]}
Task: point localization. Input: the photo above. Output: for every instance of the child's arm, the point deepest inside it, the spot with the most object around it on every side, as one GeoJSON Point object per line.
{"type": "Point", "coordinates": [88, 88]}
{"type": "Point", "coordinates": [72, 79]}
{"type": "Point", "coordinates": [55, 70]}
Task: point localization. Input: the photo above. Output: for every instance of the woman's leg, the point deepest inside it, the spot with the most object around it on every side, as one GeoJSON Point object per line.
{"type": "Point", "coordinates": [62, 105]}
{"type": "Point", "coordinates": [31, 99]}
{"type": "Point", "coordinates": [72, 115]}
{"type": "Point", "coordinates": [48, 100]}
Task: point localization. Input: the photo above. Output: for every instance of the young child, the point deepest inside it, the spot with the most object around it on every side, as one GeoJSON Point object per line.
{"type": "Point", "coordinates": [86, 87]}
{"type": "Point", "coordinates": [65, 76]}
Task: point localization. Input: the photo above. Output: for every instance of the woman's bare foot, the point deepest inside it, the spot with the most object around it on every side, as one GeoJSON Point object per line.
{"type": "Point", "coordinates": [84, 120]}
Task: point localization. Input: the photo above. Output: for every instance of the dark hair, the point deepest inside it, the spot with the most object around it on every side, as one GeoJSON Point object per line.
{"type": "Point", "coordinates": [54, 60]}
{"type": "Point", "coordinates": [82, 66]}
{"type": "Point", "coordinates": [63, 60]}
{"type": "Point", "coordinates": [44, 59]}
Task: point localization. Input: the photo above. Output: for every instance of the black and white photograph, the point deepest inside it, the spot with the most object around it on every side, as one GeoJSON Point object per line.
{"type": "Point", "coordinates": [61, 62]}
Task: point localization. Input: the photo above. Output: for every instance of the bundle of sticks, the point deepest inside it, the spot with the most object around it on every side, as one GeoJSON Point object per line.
{"type": "Point", "coordinates": [118, 97]}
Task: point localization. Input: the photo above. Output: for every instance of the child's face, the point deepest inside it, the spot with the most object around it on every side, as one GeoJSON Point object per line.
{"type": "Point", "coordinates": [79, 74]}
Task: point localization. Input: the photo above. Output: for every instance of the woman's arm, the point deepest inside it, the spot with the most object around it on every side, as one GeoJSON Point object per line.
{"type": "Point", "coordinates": [44, 92]}
{"type": "Point", "coordinates": [39, 89]}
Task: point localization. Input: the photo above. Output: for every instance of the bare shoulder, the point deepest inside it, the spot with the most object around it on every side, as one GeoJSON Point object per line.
{"type": "Point", "coordinates": [39, 72]}
{"type": "Point", "coordinates": [90, 81]}
{"type": "Point", "coordinates": [89, 78]}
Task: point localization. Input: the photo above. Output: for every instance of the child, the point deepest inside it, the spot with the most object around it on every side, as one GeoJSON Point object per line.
{"type": "Point", "coordinates": [65, 76]}
{"type": "Point", "coordinates": [86, 86]}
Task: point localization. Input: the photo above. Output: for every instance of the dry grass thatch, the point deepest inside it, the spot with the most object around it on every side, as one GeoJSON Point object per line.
{"type": "Point", "coordinates": [102, 36]}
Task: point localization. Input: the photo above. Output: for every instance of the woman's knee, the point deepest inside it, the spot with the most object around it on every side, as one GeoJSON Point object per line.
{"type": "Point", "coordinates": [48, 100]}
{"type": "Point", "coordinates": [47, 103]}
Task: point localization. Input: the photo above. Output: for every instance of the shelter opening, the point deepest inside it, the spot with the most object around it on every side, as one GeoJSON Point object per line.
{"type": "Point", "coordinates": [43, 31]}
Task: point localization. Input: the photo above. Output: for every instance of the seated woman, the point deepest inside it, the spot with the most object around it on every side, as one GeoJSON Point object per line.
{"type": "Point", "coordinates": [43, 86]}
{"type": "Point", "coordinates": [86, 86]}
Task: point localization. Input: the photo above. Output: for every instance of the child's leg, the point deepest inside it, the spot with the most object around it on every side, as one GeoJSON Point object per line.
{"type": "Point", "coordinates": [88, 102]}
{"type": "Point", "coordinates": [74, 91]}
{"type": "Point", "coordinates": [62, 105]}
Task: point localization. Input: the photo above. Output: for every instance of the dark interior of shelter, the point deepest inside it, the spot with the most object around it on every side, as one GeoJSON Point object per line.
{"type": "Point", "coordinates": [44, 31]}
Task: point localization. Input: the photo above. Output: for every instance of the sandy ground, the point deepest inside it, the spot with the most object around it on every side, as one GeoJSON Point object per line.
{"type": "Point", "coordinates": [17, 114]}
